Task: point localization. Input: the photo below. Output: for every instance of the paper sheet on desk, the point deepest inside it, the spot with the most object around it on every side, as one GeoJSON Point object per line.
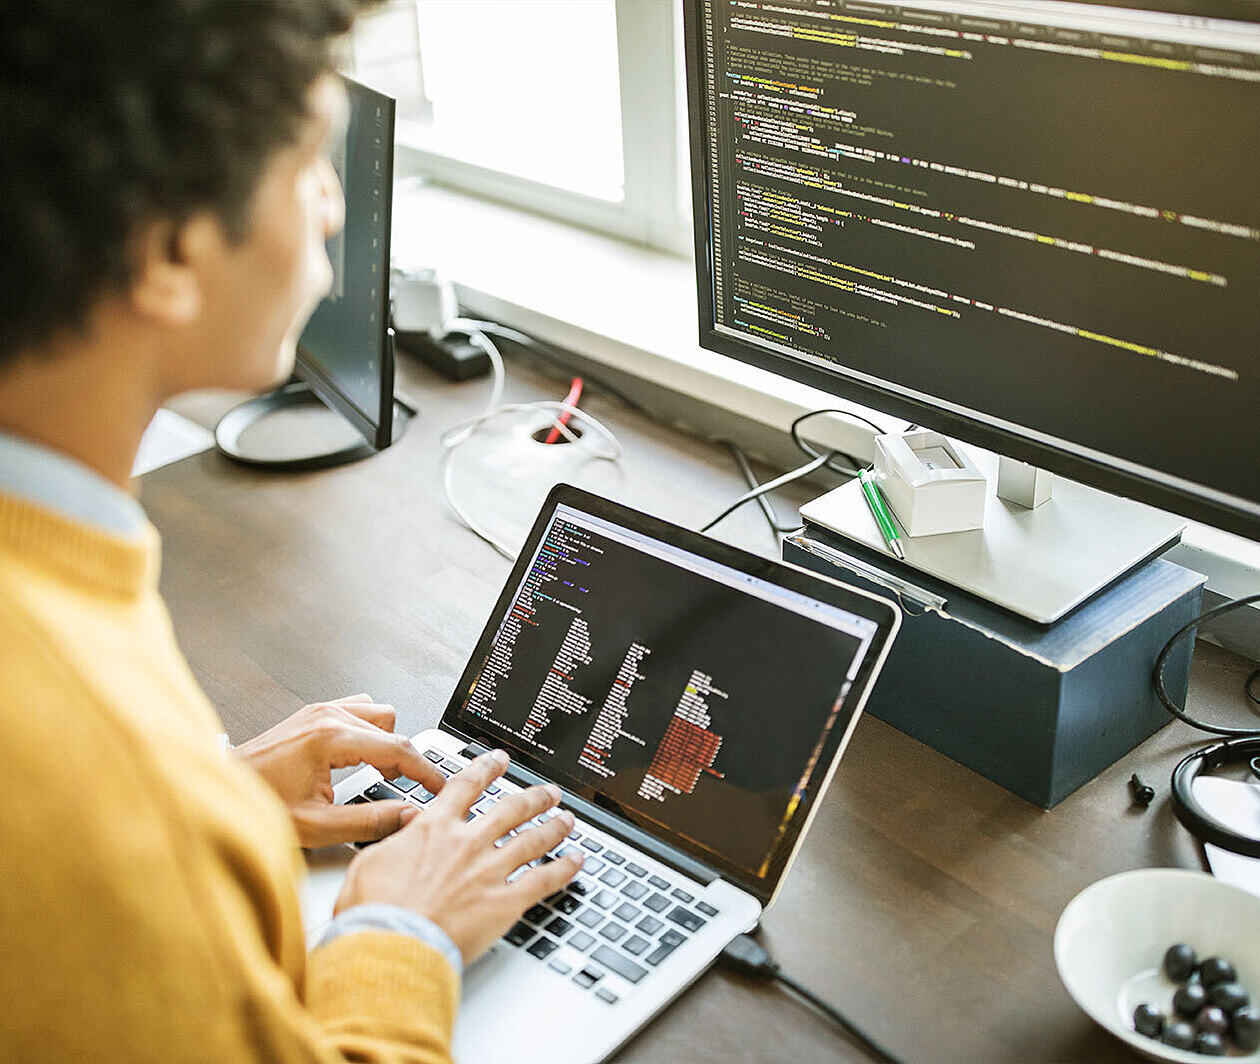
{"type": "Point", "coordinates": [1237, 804]}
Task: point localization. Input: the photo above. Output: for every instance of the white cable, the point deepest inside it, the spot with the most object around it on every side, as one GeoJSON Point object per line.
{"type": "Point", "coordinates": [458, 434]}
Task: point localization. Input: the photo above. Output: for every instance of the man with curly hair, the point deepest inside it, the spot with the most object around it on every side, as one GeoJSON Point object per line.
{"type": "Point", "coordinates": [165, 198]}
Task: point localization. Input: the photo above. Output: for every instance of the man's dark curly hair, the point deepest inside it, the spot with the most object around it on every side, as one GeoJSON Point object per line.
{"type": "Point", "coordinates": [114, 112]}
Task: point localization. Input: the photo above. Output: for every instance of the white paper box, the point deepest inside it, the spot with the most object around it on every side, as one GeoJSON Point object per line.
{"type": "Point", "coordinates": [930, 483]}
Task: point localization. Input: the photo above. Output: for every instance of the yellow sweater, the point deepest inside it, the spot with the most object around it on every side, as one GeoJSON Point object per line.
{"type": "Point", "coordinates": [148, 883]}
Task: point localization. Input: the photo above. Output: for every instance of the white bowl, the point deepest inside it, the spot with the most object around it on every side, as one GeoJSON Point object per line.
{"type": "Point", "coordinates": [1110, 942]}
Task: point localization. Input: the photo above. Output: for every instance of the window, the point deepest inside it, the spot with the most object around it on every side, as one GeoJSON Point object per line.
{"type": "Point", "coordinates": [573, 108]}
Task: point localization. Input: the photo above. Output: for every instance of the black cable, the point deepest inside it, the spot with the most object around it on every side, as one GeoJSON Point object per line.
{"type": "Point", "coordinates": [763, 501]}
{"type": "Point", "coordinates": [762, 489]}
{"type": "Point", "coordinates": [746, 955]}
{"type": "Point", "coordinates": [1179, 711]}
{"type": "Point", "coordinates": [1249, 686]}
{"type": "Point", "coordinates": [808, 449]}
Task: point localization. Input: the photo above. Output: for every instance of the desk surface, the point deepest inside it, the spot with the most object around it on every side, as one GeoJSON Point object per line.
{"type": "Point", "coordinates": [924, 900]}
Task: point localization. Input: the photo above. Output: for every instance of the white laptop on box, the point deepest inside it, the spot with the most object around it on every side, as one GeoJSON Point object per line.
{"type": "Point", "coordinates": [692, 701]}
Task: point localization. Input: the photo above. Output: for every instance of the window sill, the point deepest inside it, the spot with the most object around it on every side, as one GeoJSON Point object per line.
{"type": "Point", "coordinates": [619, 304]}
{"type": "Point", "coordinates": [635, 309]}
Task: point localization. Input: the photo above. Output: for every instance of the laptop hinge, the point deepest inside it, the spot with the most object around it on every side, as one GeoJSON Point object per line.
{"type": "Point", "coordinates": [630, 834]}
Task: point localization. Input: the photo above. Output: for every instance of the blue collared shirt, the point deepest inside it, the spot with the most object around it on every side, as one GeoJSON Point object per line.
{"type": "Point", "coordinates": [58, 483]}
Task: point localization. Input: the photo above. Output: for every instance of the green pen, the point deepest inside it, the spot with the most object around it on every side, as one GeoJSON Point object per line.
{"type": "Point", "coordinates": [883, 516]}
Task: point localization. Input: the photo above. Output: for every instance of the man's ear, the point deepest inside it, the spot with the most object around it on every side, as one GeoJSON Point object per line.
{"type": "Point", "coordinates": [171, 260]}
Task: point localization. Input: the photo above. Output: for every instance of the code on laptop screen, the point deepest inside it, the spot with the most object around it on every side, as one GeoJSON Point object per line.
{"type": "Point", "coordinates": [696, 695]}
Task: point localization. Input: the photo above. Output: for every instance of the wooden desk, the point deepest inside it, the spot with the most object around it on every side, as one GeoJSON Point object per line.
{"type": "Point", "coordinates": [924, 901]}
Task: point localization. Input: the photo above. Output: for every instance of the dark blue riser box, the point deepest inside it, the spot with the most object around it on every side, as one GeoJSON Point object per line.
{"type": "Point", "coordinates": [1039, 710]}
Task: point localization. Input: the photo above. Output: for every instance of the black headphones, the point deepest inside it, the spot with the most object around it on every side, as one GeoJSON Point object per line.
{"type": "Point", "coordinates": [1194, 818]}
{"type": "Point", "coordinates": [1241, 745]}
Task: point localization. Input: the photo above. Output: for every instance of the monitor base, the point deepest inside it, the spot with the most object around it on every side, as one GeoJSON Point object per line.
{"type": "Point", "coordinates": [290, 429]}
{"type": "Point", "coordinates": [1040, 563]}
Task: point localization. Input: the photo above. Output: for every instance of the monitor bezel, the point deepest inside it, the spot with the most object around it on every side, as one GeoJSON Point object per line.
{"type": "Point", "coordinates": [884, 613]}
{"type": "Point", "coordinates": [376, 426]}
{"type": "Point", "coordinates": [1110, 473]}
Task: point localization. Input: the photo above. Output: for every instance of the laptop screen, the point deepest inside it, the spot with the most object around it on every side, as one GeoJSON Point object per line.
{"type": "Point", "coordinates": [700, 699]}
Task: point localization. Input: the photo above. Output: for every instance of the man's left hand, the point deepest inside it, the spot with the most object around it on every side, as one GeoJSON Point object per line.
{"type": "Point", "coordinates": [297, 757]}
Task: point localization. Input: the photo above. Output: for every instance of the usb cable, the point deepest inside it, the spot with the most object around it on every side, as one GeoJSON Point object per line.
{"type": "Point", "coordinates": [747, 956]}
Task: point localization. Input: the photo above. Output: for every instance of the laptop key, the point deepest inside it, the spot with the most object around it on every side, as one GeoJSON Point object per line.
{"type": "Point", "coordinates": [673, 938]}
{"type": "Point", "coordinates": [579, 886]}
{"type": "Point", "coordinates": [581, 941]}
{"type": "Point", "coordinates": [519, 933]}
{"type": "Point", "coordinates": [649, 925]}
{"type": "Point", "coordinates": [685, 918]}
{"type": "Point", "coordinates": [682, 896]}
{"type": "Point", "coordinates": [636, 870]}
{"type": "Point", "coordinates": [378, 792]}
{"type": "Point", "coordinates": [604, 899]}
{"type": "Point", "coordinates": [658, 903]}
{"type": "Point", "coordinates": [592, 865]}
{"type": "Point", "coordinates": [538, 914]}
{"type": "Point", "coordinates": [561, 967]}
{"type": "Point", "coordinates": [405, 783]}
{"type": "Point", "coordinates": [421, 795]}
{"type": "Point", "coordinates": [634, 889]}
{"type": "Point", "coordinates": [542, 949]}
{"type": "Point", "coordinates": [659, 954]}
{"type": "Point", "coordinates": [590, 917]}
{"type": "Point", "coordinates": [635, 945]}
{"type": "Point", "coordinates": [452, 766]}
{"type": "Point", "coordinates": [494, 788]}
{"type": "Point", "coordinates": [358, 799]}
{"type": "Point", "coordinates": [559, 927]}
{"type": "Point", "coordinates": [706, 908]}
{"type": "Point", "coordinates": [626, 912]}
{"type": "Point", "coordinates": [588, 977]}
{"type": "Point", "coordinates": [433, 755]}
{"type": "Point", "coordinates": [604, 994]}
{"type": "Point", "coordinates": [592, 845]}
{"type": "Point", "coordinates": [612, 931]}
{"type": "Point", "coordinates": [658, 882]}
{"type": "Point", "coordinates": [614, 858]}
{"type": "Point", "coordinates": [613, 878]}
{"type": "Point", "coordinates": [568, 904]}
{"type": "Point", "coordinates": [615, 962]}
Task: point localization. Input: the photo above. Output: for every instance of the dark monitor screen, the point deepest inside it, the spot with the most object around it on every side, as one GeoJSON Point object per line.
{"type": "Point", "coordinates": [1034, 226]}
{"type": "Point", "coordinates": [345, 352]}
{"type": "Point", "coordinates": [701, 701]}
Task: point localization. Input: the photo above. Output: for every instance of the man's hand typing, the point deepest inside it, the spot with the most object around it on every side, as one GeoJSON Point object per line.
{"type": "Point", "coordinates": [297, 757]}
{"type": "Point", "coordinates": [452, 873]}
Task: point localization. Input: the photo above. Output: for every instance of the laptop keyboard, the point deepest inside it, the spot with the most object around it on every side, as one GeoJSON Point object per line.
{"type": "Point", "coordinates": [617, 916]}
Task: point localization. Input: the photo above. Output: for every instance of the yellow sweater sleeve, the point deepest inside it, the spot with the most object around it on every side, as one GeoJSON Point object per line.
{"type": "Point", "coordinates": [364, 989]}
{"type": "Point", "coordinates": [148, 901]}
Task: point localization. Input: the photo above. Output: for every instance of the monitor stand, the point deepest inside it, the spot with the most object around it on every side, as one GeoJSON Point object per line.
{"type": "Point", "coordinates": [291, 429]}
{"type": "Point", "coordinates": [1040, 562]}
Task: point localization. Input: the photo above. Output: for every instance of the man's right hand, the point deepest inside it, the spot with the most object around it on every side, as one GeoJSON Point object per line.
{"type": "Point", "coordinates": [452, 873]}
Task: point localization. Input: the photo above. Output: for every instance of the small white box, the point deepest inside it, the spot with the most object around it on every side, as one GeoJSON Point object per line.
{"type": "Point", "coordinates": [931, 485]}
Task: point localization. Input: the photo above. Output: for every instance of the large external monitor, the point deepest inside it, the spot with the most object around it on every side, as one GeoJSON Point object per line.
{"type": "Point", "coordinates": [1031, 226]}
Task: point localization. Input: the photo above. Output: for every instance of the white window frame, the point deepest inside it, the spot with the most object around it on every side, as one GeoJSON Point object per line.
{"type": "Point", "coordinates": [648, 39]}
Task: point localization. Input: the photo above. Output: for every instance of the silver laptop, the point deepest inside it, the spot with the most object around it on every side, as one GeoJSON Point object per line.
{"type": "Point", "coordinates": [692, 700]}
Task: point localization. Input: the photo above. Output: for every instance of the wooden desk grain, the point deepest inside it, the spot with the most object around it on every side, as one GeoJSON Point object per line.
{"type": "Point", "coordinates": [924, 901]}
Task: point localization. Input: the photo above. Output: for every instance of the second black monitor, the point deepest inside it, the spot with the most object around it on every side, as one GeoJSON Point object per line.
{"type": "Point", "coordinates": [345, 353]}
